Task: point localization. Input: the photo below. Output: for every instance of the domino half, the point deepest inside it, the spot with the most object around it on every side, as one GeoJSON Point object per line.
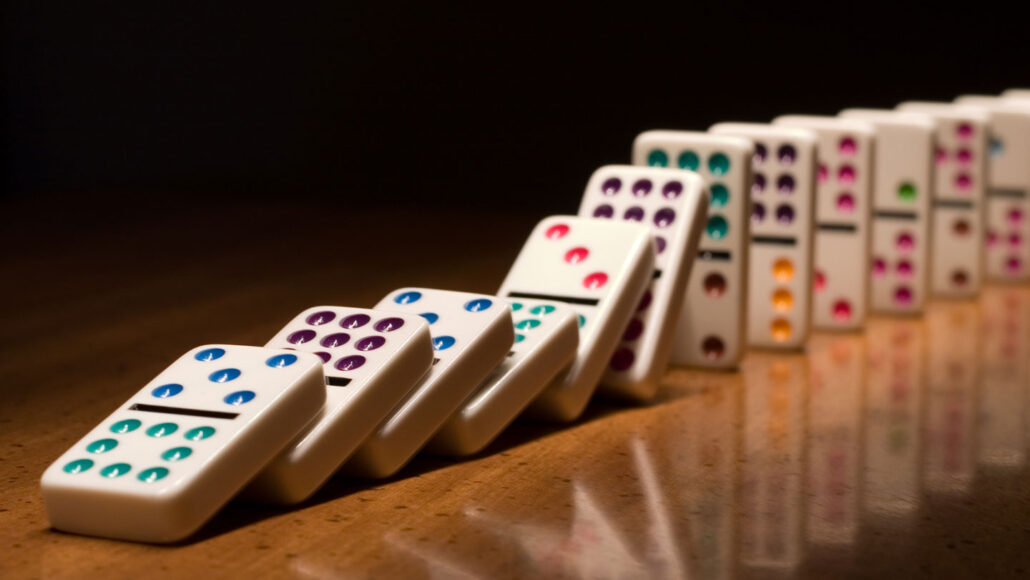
{"type": "Point", "coordinates": [710, 330]}
{"type": "Point", "coordinates": [841, 237]}
{"type": "Point", "coordinates": [1007, 200]}
{"type": "Point", "coordinates": [371, 359]}
{"type": "Point", "coordinates": [471, 334]}
{"type": "Point", "coordinates": [673, 204]}
{"type": "Point", "coordinates": [601, 268]}
{"type": "Point", "coordinates": [900, 236]}
{"type": "Point", "coordinates": [959, 184]}
{"type": "Point", "coordinates": [780, 262]}
{"type": "Point", "coordinates": [161, 465]}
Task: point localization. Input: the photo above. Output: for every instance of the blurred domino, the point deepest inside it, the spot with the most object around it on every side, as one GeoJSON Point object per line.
{"type": "Point", "coordinates": [899, 233]}
{"type": "Point", "coordinates": [471, 334]}
{"type": "Point", "coordinates": [1007, 201]}
{"type": "Point", "coordinates": [958, 195]}
{"type": "Point", "coordinates": [673, 204]}
{"type": "Point", "coordinates": [161, 465]}
{"type": "Point", "coordinates": [601, 269]}
{"type": "Point", "coordinates": [1017, 94]}
{"type": "Point", "coordinates": [710, 331]}
{"type": "Point", "coordinates": [546, 337]}
{"type": "Point", "coordinates": [780, 261]}
{"type": "Point", "coordinates": [841, 236]}
{"type": "Point", "coordinates": [372, 359]}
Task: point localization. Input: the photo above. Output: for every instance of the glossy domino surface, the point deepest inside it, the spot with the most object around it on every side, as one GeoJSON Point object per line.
{"type": "Point", "coordinates": [372, 359]}
{"type": "Point", "coordinates": [960, 177]}
{"type": "Point", "coordinates": [673, 204]}
{"type": "Point", "coordinates": [471, 335]}
{"type": "Point", "coordinates": [782, 210]}
{"type": "Point", "coordinates": [901, 195]}
{"type": "Point", "coordinates": [546, 337]}
{"type": "Point", "coordinates": [840, 286]}
{"type": "Point", "coordinates": [1007, 199]}
{"type": "Point", "coordinates": [157, 468]}
{"type": "Point", "coordinates": [710, 331]}
{"type": "Point", "coordinates": [601, 268]}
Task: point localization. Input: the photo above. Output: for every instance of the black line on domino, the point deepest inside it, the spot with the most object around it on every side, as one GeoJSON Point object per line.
{"type": "Point", "coordinates": [183, 411]}
{"type": "Point", "coordinates": [714, 255]}
{"type": "Point", "coordinates": [774, 240]}
{"type": "Point", "coordinates": [337, 381]}
{"type": "Point", "coordinates": [566, 299]}
{"type": "Point", "coordinates": [895, 215]}
{"type": "Point", "coordinates": [832, 227]}
{"type": "Point", "coordinates": [1015, 193]}
{"type": "Point", "coordinates": [956, 203]}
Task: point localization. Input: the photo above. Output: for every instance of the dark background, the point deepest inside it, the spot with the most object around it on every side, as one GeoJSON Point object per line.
{"type": "Point", "coordinates": [422, 104]}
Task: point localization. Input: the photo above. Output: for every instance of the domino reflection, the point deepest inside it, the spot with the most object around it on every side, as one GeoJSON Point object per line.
{"type": "Point", "coordinates": [1004, 377]}
{"type": "Point", "coordinates": [893, 412]}
{"type": "Point", "coordinates": [834, 460]}
{"type": "Point", "coordinates": [771, 506]}
{"type": "Point", "coordinates": [949, 457]}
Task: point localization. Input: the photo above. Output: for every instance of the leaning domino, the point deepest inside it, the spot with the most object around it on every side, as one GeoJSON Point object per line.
{"type": "Point", "coordinates": [600, 268]}
{"type": "Point", "coordinates": [161, 465]}
{"type": "Point", "coordinates": [372, 359]}
{"type": "Point", "coordinates": [673, 204]}
{"type": "Point", "coordinates": [710, 330]}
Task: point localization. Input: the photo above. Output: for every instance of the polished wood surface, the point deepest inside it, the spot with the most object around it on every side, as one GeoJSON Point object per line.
{"type": "Point", "coordinates": [900, 451]}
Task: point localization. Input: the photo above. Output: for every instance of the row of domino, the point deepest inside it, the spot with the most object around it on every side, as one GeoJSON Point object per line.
{"type": "Point", "coordinates": [658, 266]}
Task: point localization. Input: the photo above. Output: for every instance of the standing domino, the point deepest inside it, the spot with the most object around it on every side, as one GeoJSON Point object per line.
{"type": "Point", "coordinates": [780, 262]}
{"type": "Point", "coordinates": [673, 203]}
{"type": "Point", "coordinates": [1017, 94]}
{"type": "Point", "coordinates": [959, 185]}
{"type": "Point", "coordinates": [546, 337]}
{"type": "Point", "coordinates": [601, 269]}
{"type": "Point", "coordinates": [900, 238]}
{"type": "Point", "coordinates": [161, 465]}
{"type": "Point", "coordinates": [471, 336]}
{"type": "Point", "coordinates": [372, 359]}
{"type": "Point", "coordinates": [711, 326]}
{"type": "Point", "coordinates": [1007, 211]}
{"type": "Point", "coordinates": [841, 237]}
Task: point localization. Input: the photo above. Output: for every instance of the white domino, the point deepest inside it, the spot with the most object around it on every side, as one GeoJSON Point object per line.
{"type": "Point", "coordinates": [841, 238]}
{"type": "Point", "coordinates": [471, 335]}
{"type": "Point", "coordinates": [546, 337]}
{"type": "Point", "coordinates": [710, 330]}
{"type": "Point", "coordinates": [673, 204]}
{"type": "Point", "coordinates": [1017, 94]}
{"type": "Point", "coordinates": [782, 210]}
{"type": "Point", "coordinates": [372, 359]}
{"type": "Point", "coordinates": [599, 267]}
{"type": "Point", "coordinates": [901, 195]}
{"type": "Point", "coordinates": [1007, 200]}
{"type": "Point", "coordinates": [161, 465]}
{"type": "Point", "coordinates": [958, 195]}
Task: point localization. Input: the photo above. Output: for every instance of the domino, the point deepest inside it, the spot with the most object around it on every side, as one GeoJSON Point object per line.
{"type": "Point", "coordinates": [1007, 199]}
{"type": "Point", "coordinates": [673, 204]}
{"type": "Point", "coordinates": [546, 337]}
{"type": "Point", "coordinates": [710, 330]}
{"type": "Point", "coordinates": [958, 193]}
{"type": "Point", "coordinates": [471, 335]}
{"type": "Point", "coordinates": [601, 268]}
{"type": "Point", "coordinates": [899, 232]}
{"type": "Point", "coordinates": [841, 236]}
{"type": "Point", "coordinates": [371, 360]}
{"type": "Point", "coordinates": [161, 465]}
{"type": "Point", "coordinates": [1017, 94]}
{"type": "Point", "coordinates": [780, 261]}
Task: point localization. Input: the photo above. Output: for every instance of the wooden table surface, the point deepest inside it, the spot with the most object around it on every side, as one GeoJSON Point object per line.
{"type": "Point", "coordinates": [897, 452]}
